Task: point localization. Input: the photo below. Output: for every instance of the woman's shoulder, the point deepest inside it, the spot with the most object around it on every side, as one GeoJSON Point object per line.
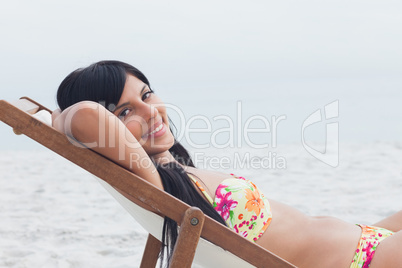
{"type": "Point", "coordinates": [208, 175]}
{"type": "Point", "coordinates": [209, 179]}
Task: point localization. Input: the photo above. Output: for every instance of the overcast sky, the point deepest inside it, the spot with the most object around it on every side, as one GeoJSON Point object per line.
{"type": "Point", "coordinates": [282, 57]}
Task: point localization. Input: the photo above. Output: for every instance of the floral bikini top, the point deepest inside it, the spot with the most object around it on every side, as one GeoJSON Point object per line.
{"type": "Point", "coordinates": [243, 207]}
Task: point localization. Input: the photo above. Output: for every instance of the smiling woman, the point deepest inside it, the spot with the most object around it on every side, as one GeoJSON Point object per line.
{"type": "Point", "coordinates": [111, 108]}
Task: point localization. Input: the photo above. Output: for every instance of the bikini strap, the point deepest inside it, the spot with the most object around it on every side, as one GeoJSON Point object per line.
{"type": "Point", "coordinates": [201, 188]}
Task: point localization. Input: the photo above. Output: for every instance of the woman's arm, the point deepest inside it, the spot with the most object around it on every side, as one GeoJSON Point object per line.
{"type": "Point", "coordinates": [100, 130]}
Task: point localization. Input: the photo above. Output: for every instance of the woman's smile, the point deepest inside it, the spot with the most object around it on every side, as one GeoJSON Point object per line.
{"type": "Point", "coordinates": [156, 130]}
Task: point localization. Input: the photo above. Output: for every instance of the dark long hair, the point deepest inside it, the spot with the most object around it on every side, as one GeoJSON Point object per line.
{"type": "Point", "coordinates": [103, 82]}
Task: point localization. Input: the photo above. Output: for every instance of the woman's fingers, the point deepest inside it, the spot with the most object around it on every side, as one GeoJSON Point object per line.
{"type": "Point", "coordinates": [56, 118]}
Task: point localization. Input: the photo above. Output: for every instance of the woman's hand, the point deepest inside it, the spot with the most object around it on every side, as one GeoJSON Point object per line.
{"type": "Point", "coordinates": [56, 119]}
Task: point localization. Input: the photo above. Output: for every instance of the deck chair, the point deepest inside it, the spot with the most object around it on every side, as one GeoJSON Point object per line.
{"type": "Point", "coordinates": [201, 240]}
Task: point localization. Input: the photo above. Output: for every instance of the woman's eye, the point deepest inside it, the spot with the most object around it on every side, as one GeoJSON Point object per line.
{"type": "Point", "coordinates": [124, 113]}
{"type": "Point", "coordinates": [147, 95]}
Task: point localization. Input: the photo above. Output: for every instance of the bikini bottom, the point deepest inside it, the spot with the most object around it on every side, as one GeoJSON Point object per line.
{"type": "Point", "coordinates": [369, 241]}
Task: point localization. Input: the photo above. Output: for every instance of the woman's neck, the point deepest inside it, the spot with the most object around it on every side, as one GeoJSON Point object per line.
{"type": "Point", "coordinates": [163, 158]}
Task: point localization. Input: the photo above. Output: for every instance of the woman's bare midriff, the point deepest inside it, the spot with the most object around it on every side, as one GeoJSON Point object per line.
{"type": "Point", "coordinates": [302, 240]}
{"type": "Point", "coordinates": [310, 241]}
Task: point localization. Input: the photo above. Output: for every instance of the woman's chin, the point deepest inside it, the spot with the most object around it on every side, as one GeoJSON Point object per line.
{"type": "Point", "coordinates": [159, 146]}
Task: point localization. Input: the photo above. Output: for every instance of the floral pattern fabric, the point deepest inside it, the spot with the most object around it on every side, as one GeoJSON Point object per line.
{"type": "Point", "coordinates": [369, 241]}
{"type": "Point", "coordinates": [243, 207]}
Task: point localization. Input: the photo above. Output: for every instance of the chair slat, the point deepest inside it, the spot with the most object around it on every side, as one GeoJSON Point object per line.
{"type": "Point", "coordinates": [26, 106]}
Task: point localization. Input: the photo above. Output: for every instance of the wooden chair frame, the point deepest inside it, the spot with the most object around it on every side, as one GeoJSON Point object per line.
{"type": "Point", "coordinates": [193, 223]}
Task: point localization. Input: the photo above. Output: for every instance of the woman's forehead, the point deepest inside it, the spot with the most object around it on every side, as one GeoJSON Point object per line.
{"type": "Point", "coordinates": [133, 83]}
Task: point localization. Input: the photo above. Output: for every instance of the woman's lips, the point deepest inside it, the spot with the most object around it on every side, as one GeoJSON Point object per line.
{"type": "Point", "coordinates": [156, 131]}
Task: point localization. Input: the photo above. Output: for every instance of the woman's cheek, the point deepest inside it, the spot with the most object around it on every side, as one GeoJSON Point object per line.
{"type": "Point", "coordinates": [137, 127]}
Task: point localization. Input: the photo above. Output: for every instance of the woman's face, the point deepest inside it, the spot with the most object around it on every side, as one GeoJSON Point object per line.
{"type": "Point", "coordinates": [144, 114]}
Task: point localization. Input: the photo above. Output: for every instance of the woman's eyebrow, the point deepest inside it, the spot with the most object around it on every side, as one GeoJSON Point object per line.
{"type": "Point", "coordinates": [121, 105]}
{"type": "Point", "coordinates": [126, 103]}
{"type": "Point", "coordinates": [143, 88]}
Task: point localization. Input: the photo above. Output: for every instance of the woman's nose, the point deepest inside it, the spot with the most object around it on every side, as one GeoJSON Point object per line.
{"type": "Point", "coordinates": [148, 112]}
{"type": "Point", "coordinates": [154, 111]}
